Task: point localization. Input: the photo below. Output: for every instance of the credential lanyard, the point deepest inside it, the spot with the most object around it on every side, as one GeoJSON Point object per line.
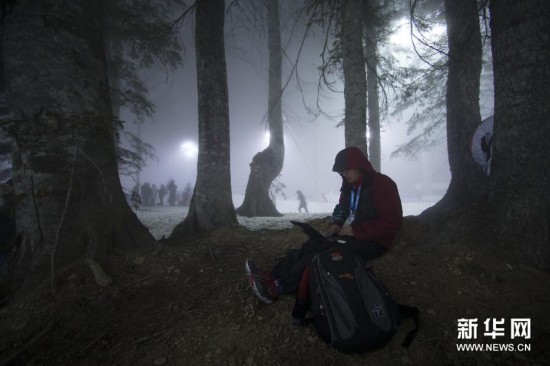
{"type": "Point", "coordinates": [354, 202]}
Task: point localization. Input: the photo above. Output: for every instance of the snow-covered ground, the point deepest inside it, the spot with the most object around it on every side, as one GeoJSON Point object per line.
{"type": "Point", "coordinates": [160, 220]}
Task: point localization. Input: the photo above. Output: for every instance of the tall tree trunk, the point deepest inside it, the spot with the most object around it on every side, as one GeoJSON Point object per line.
{"type": "Point", "coordinates": [373, 104]}
{"type": "Point", "coordinates": [114, 55]}
{"type": "Point", "coordinates": [468, 183]}
{"type": "Point", "coordinates": [267, 164]}
{"type": "Point", "coordinates": [70, 201]}
{"type": "Point", "coordinates": [355, 82]}
{"type": "Point", "coordinates": [212, 202]}
{"type": "Point", "coordinates": [520, 184]}
{"type": "Point", "coordinates": [3, 103]}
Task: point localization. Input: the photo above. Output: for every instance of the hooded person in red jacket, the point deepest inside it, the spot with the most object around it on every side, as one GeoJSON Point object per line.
{"type": "Point", "coordinates": [367, 218]}
{"type": "Point", "coordinates": [369, 209]}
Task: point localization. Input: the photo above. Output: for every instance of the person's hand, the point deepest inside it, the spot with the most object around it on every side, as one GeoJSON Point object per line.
{"type": "Point", "coordinates": [346, 231]}
{"type": "Point", "coordinates": [333, 229]}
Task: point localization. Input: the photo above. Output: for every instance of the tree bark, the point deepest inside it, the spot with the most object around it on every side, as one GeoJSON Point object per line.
{"type": "Point", "coordinates": [520, 186]}
{"type": "Point", "coordinates": [355, 82]}
{"type": "Point", "coordinates": [212, 202]}
{"type": "Point", "coordinates": [3, 104]}
{"type": "Point", "coordinates": [70, 201]}
{"type": "Point", "coordinates": [268, 164]}
{"type": "Point", "coordinates": [468, 184]}
{"type": "Point", "coordinates": [373, 104]}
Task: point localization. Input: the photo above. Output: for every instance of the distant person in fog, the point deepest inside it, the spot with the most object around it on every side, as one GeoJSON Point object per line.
{"type": "Point", "coordinates": [135, 199]}
{"type": "Point", "coordinates": [172, 187]}
{"type": "Point", "coordinates": [303, 203]}
{"type": "Point", "coordinates": [154, 192]}
{"type": "Point", "coordinates": [146, 193]}
{"type": "Point", "coordinates": [162, 193]}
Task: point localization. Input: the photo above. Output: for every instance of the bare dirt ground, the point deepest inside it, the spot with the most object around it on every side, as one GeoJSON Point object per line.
{"type": "Point", "coordinates": [191, 305]}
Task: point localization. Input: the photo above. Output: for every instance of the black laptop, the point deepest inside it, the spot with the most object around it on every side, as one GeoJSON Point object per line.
{"type": "Point", "coordinates": [310, 231]}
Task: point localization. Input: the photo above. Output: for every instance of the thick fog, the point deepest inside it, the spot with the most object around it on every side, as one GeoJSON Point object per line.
{"type": "Point", "coordinates": [310, 143]}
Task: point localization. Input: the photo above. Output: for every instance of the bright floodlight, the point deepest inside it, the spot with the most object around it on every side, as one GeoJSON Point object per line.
{"type": "Point", "coordinates": [189, 149]}
{"type": "Point", "coordinates": [401, 35]}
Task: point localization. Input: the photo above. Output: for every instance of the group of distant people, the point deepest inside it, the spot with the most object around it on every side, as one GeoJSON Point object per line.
{"type": "Point", "coordinates": [150, 195]}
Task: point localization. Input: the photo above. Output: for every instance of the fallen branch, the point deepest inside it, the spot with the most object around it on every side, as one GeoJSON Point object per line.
{"type": "Point", "coordinates": [94, 341]}
{"type": "Point", "coordinates": [138, 281]}
{"type": "Point", "coordinates": [146, 338]}
{"type": "Point", "coordinates": [185, 285]}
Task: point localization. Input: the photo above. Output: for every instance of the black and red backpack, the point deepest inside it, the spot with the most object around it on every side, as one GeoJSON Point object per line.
{"type": "Point", "coordinates": [352, 309]}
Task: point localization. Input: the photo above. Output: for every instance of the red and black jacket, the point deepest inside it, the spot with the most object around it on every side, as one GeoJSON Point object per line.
{"type": "Point", "coordinates": [379, 213]}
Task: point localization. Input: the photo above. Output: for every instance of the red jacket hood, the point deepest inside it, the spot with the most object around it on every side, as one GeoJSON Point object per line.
{"type": "Point", "coordinates": [351, 158]}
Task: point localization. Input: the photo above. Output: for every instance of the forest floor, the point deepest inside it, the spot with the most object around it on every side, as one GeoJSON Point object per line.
{"type": "Point", "coordinates": [191, 305]}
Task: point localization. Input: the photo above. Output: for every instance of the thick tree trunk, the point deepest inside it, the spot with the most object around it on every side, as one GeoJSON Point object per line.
{"type": "Point", "coordinates": [70, 201]}
{"type": "Point", "coordinates": [212, 202]}
{"type": "Point", "coordinates": [373, 104]}
{"type": "Point", "coordinates": [468, 184]}
{"type": "Point", "coordinates": [3, 104]}
{"type": "Point", "coordinates": [520, 185]}
{"type": "Point", "coordinates": [355, 82]}
{"type": "Point", "coordinates": [114, 55]}
{"type": "Point", "coordinates": [267, 165]}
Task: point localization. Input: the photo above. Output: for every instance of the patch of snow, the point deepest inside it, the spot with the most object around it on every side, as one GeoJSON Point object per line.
{"type": "Point", "coordinates": [161, 220]}
{"type": "Point", "coordinates": [277, 223]}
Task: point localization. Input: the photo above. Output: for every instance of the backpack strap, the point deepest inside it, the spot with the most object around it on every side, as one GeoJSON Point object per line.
{"type": "Point", "coordinates": [302, 303]}
{"type": "Point", "coordinates": [413, 313]}
{"type": "Point", "coordinates": [299, 311]}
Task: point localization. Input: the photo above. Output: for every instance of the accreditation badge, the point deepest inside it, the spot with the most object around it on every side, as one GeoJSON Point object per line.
{"type": "Point", "coordinates": [350, 219]}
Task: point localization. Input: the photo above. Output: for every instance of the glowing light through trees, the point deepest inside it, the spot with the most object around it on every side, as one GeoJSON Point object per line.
{"type": "Point", "coordinates": [189, 149]}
